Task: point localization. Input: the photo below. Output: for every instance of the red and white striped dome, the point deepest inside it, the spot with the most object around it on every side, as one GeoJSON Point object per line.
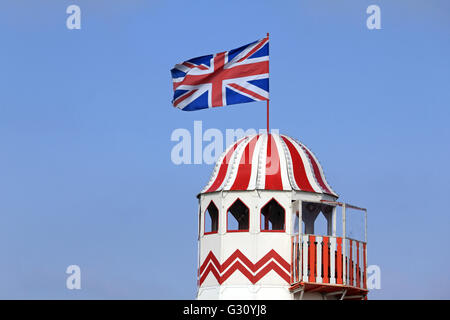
{"type": "Point", "coordinates": [268, 162]}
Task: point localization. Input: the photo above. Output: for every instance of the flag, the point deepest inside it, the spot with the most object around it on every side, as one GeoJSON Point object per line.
{"type": "Point", "coordinates": [237, 76]}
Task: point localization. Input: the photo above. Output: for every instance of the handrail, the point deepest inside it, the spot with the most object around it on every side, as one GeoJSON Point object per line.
{"type": "Point", "coordinates": [341, 204]}
{"type": "Point", "coordinates": [319, 235]}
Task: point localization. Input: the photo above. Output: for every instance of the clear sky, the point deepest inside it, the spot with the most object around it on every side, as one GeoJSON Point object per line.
{"type": "Point", "coordinates": [86, 176]}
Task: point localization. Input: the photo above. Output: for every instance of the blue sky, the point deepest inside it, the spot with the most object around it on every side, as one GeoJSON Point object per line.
{"type": "Point", "coordinates": [86, 119]}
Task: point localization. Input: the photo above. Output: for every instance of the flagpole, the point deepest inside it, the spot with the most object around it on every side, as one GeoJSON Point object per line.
{"type": "Point", "coordinates": [268, 100]}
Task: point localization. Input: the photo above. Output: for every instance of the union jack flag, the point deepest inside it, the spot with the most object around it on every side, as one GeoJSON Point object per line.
{"type": "Point", "coordinates": [237, 76]}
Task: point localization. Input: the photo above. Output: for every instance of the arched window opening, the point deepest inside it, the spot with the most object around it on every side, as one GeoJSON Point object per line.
{"type": "Point", "coordinates": [238, 217]}
{"type": "Point", "coordinates": [321, 225]}
{"type": "Point", "coordinates": [317, 218]}
{"type": "Point", "coordinates": [211, 218]}
{"type": "Point", "coordinates": [272, 217]}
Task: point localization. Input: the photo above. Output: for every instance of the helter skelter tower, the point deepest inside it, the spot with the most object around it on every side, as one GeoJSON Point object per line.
{"type": "Point", "coordinates": [257, 219]}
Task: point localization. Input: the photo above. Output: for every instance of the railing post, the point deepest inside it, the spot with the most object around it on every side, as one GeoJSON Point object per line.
{"type": "Point", "coordinates": [305, 258]}
{"type": "Point", "coordinates": [292, 259]}
{"type": "Point", "coordinates": [333, 266]}
{"type": "Point", "coordinates": [365, 226]}
{"type": "Point", "coordinates": [365, 266]}
{"type": "Point", "coordinates": [325, 259]}
{"type": "Point", "coordinates": [297, 258]}
{"type": "Point", "coordinates": [319, 260]}
{"type": "Point", "coordinates": [365, 251]}
{"type": "Point", "coordinates": [344, 249]}
{"type": "Point", "coordinates": [358, 268]}
{"type": "Point", "coordinates": [350, 263]}
{"type": "Point", "coordinates": [333, 219]}
{"type": "Point", "coordinates": [312, 258]}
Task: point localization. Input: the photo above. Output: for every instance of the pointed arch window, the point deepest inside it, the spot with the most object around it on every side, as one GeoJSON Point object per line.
{"type": "Point", "coordinates": [273, 217]}
{"type": "Point", "coordinates": [238, 217]}
{"type": "Point", "coordinates": [211, 219]}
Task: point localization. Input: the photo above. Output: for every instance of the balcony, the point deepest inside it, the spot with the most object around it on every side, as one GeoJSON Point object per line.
{"type": "Point", "coordinates": [332, 265]}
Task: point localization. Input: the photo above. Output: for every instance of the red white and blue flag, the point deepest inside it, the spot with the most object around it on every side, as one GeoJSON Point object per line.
{"type": "Point", "coordinates": [237, 76]}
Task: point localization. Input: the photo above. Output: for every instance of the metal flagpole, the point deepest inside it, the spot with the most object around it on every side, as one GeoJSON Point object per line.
{"type": "Point", "coordinates": [268, 99]}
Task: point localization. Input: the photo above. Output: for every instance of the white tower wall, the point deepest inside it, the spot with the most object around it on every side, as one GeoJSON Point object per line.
{"type": "Point", "coordinates": [266, 254]}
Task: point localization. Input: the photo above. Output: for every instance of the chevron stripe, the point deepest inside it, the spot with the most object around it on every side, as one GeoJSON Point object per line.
{"type": "Point", "coordinates": [238, 261]}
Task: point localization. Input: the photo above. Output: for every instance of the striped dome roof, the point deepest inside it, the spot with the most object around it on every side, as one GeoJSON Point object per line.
{"type": "Point", "coordinates": [268, 162]}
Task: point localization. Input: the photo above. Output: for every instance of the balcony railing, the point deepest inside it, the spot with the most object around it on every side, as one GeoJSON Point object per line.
{"type": "Point", "coordinates": [328, 260]}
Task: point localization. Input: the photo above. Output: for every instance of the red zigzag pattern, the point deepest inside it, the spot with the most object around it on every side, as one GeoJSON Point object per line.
{"type": "Point", "coordinates": [211, 264]}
